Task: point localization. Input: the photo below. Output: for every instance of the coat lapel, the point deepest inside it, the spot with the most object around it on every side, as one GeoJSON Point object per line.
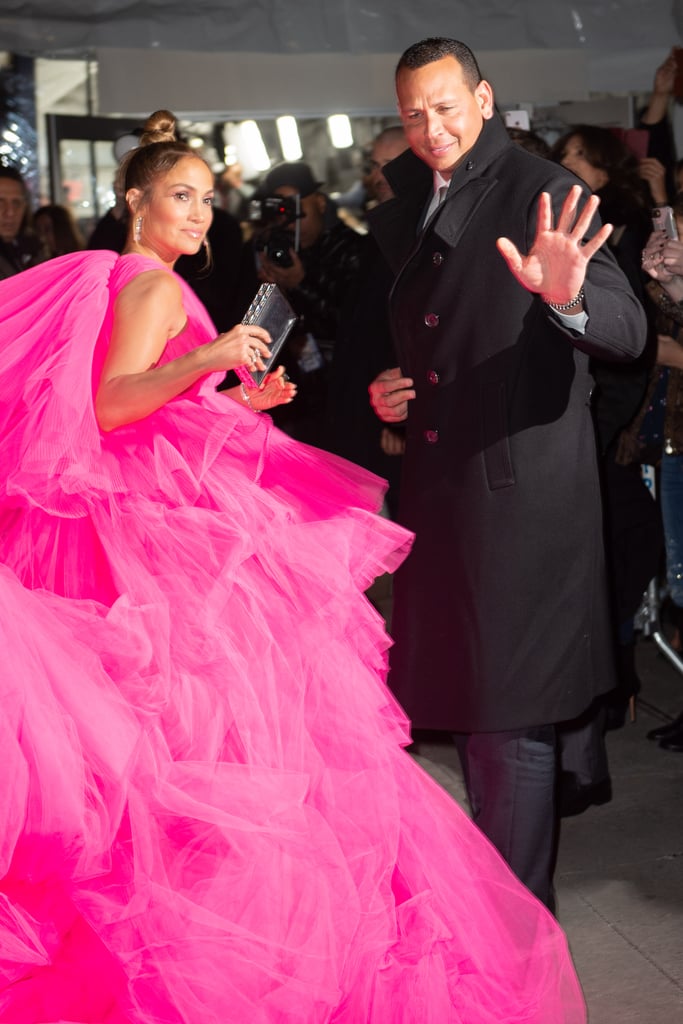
{"type": "Point", "coordinates": [396, 224]}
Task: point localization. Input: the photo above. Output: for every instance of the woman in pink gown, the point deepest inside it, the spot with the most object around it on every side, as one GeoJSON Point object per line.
{"type": "Point", "coordinates": [208, 815]}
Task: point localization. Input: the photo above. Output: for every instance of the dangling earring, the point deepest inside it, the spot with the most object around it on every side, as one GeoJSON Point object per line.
{"type": "Point", "coordinates": [137, 232]}
{"type": "Point", "coordinates": [208, 256]}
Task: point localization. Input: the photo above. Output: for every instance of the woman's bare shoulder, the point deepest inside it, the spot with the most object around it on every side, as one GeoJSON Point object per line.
{"type": "Point", "coordinates": [152, 283]}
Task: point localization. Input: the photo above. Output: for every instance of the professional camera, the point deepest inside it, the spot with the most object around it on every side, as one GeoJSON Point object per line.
{"type": "Point", "coordinates": [276, 220]}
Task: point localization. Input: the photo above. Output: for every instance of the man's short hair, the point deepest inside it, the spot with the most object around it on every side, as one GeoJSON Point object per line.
{"type": "Point", "coordinates": [394, 131]}
{"type": "Point", "coordinates": [7, 171]}
{"type": "Point", "coordinates": [436, 48]}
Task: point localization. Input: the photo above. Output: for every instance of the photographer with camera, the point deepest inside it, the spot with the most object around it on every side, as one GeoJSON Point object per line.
{"type": "Point", "coordinates": [303, 246]}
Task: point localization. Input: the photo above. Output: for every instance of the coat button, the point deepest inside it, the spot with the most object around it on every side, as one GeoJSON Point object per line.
{"type": "Point", "coordinates": [437, 259]}
{"type": "Point", "coordinates": [431, 436]}
{"type": "Point", "coordinates": [469, 165]}
{"type": "Point", "coordinates": [433, 377]}
{"type": "Point", "coordinates": [432, 319]}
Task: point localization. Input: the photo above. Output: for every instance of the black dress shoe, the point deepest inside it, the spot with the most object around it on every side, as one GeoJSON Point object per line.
{"type": "Point", "coordinates": [663, 732]}
{"type": "Point", "coordinates": [673, 741]}
{"type": "Point", "coordinates": [575, 799]}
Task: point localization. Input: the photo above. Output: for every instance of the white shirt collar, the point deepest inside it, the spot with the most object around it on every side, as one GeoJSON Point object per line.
{"type": "Point", "coordinates": [439, 182]}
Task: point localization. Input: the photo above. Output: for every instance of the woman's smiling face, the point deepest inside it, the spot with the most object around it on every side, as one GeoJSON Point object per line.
{"type": "Point", "coordinates": [179, 211]}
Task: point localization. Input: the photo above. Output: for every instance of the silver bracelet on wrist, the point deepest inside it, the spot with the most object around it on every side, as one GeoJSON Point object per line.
{"type": "Point", "coordinates": [246, 398]}
{"type": "Point", "coordinates": [562, 307]}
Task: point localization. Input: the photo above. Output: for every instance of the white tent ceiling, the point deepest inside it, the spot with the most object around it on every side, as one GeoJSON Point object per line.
{"type": "Point", "coordinates": [261, 57]}
{"type": "Point", "coordinates": [334, 26]}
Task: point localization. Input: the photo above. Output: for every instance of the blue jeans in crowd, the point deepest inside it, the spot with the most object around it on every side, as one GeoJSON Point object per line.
{"type": "Point", "coordinates": [671, 501]}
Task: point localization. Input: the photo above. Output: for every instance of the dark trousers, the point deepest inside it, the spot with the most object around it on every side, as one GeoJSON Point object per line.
{"type": "Point", "coordinates": [511, 784]}
{"type": "Point", "coordinates": [582, 748]}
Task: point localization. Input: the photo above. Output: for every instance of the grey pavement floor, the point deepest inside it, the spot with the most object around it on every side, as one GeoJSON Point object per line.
{"type": "Point", "coordinates": [619, 876]}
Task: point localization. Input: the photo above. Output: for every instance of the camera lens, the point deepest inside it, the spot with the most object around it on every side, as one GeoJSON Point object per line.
{"type": "Point", "coordinates": [279, 256]}
{"type": "Point", "coordinates": [277, 245]}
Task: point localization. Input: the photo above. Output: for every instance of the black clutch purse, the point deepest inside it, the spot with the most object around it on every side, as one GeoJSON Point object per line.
{"type": "Point", "coordinates": [270, 310]}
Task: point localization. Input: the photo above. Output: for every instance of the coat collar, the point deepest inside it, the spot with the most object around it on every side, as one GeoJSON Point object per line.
{"type": "Point", "coordinates": [408, 175]}
{"type": "Point", "coordinates": [396, 222]}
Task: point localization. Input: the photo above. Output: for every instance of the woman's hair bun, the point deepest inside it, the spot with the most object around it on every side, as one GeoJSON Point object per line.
{"type": "Point", "coordinates": [159, 127]}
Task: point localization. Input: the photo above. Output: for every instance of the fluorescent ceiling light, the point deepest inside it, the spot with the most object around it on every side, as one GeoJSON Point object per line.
{"type": "Point", "coordinates": [254, 145]}
{"type": "Point", "coordinates": [340, 131]}
{"type": "Point", "coordinates": [289, 137]}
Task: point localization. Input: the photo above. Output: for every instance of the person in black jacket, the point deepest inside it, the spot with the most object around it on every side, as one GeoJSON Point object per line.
{"type": "Point", "coordinates": [316, 268]}
{"type": "Point", "coordinates": [20, 246]}
{"type": "Point", "coordinates": [503, 290]}
{"type": "Point", "coordinates": [364, 346]}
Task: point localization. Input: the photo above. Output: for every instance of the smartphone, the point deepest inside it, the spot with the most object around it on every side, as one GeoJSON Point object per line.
{"type": "Point", "coordinates": [637, 140]}
{"type": "Point", "coordinates": [517, 119]}
{"type": "Point", "coordinates": [663, 220]}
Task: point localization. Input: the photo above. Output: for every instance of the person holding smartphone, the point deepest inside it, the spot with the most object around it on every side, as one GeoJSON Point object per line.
{"type": "Point", "coordinates": [661, 420]}
{"type": "Point", "coordinates": [633, 531]}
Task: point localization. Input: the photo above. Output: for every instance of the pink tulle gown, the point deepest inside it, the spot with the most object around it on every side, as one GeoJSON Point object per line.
{"type": "Point", "coordinates": [208, 816]}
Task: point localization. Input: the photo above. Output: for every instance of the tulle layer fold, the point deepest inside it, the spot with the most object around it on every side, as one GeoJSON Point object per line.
{"type": "Point", "coordinates": [209, 816]}
{"type": "Point", "coordinates": [220, 851]}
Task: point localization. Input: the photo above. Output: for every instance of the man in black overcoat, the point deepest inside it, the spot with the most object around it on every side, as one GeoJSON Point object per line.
{"type": "Point", "coordinates": [502, 293]}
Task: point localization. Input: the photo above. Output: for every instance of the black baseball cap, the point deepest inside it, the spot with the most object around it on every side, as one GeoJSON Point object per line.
{"type": "Point", "coordinates": [295, 174]}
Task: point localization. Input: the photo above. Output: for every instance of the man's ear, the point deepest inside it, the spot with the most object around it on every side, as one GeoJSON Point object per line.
{"type": "Point", "coordinates": [485, 101]}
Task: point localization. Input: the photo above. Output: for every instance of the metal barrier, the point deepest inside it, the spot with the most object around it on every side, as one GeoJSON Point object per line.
{"type": "Point", "coordinates": [648, 618]}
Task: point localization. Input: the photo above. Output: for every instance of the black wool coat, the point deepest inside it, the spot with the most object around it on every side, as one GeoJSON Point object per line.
{"type": "Point", "coordinates": [500, 616]}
